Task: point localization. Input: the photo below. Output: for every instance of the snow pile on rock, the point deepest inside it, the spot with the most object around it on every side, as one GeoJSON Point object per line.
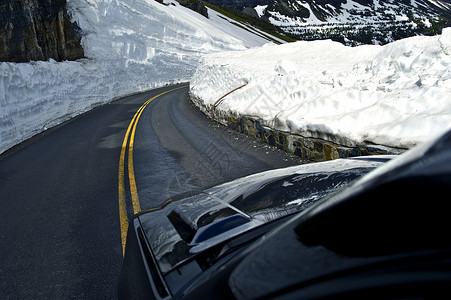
{"type": "Point", "coordinates": [397, 95]}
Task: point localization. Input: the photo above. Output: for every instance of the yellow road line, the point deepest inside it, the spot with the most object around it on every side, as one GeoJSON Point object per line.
{"type": "Point", "coordinates": [131, 175]}
{"type": "Point", "coordinates": [121, 186]}
{"type": "Point", "coordinates": [131, 172]}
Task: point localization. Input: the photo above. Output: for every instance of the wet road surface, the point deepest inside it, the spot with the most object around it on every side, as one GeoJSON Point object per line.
{"type": "Point", "coordinates": [60, 225]}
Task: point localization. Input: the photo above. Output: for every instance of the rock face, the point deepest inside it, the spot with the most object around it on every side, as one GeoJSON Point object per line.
{"type": "Point", "coordinates": [195, 5]}
{"type": "Point", "coordinates": [37, 30]}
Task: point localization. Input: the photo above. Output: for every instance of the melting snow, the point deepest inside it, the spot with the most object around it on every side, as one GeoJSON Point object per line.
{"type": "Point", "coordinates": [130, 46]}
{"type": "Point", "coordinates": [397, 95]}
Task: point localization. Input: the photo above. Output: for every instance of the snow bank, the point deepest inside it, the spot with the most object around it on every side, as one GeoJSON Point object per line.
{"type": "Point", "coordinates": [130, 46]}
{"type": "Point", "coordinates": [396, 95]}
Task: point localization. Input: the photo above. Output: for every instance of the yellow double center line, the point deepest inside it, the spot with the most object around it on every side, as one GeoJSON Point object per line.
{"type": "Point", "coordinates": [131, 174]}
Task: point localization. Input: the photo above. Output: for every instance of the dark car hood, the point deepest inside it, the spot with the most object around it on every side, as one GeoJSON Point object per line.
{"type": "Point", "coordinates": [189, 226]}
{"type": "Point", "coordinates": [383, 236]}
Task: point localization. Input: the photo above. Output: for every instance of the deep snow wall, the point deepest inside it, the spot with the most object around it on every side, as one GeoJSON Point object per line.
{"type": "Point", "coordinates": [129, 46]}
{"type": "Point", "coordinates": [37, 30]}
{"type": "Point", "coordinates": [397, 95]}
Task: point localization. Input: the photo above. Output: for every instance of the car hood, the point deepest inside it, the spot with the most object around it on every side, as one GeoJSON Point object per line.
{"type": "Point", "coordinates": [181, 229]}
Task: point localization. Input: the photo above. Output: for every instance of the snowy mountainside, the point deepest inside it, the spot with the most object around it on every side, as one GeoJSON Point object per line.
{"type": "Point", "coordinates": [353, 22]}
{"type": "Point", "coordinates": [129, 45]}
{"type": "Point", "coordinates": [351, 11]}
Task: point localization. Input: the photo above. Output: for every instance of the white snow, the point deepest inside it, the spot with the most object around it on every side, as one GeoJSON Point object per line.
{"type": "Point", "coordinates": [130, 46]}
{"type": "Point", "coordinates": [397, 95]}
{"type": "Point", "coordinates": [260, 9]}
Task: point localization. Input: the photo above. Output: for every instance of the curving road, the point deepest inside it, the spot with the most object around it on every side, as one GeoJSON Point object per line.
{"type": "Point", "coordinates": [66, 195]}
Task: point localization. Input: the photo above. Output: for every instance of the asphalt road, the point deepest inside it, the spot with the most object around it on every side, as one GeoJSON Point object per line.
{"type": "Point", "coordinates": [60, 192]}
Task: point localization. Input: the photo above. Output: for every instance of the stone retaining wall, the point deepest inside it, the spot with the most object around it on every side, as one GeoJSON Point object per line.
{"type": "Point", "coordinates": [311, 149]}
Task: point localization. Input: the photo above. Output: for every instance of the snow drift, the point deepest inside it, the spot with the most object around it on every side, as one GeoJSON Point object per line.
{"type": "Point", "coordinates": [130, 46]}
{"type": "Point", "coordinates": [397, 95]}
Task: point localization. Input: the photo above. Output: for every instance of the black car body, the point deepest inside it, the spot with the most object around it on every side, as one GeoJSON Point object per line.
{"type": "Point", "coordinates": [297, 234]}
{"type": "Point", "coordinates": [175, 244]}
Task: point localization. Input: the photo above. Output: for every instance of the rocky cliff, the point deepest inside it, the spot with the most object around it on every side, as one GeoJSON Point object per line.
{"type": "Point", "coordinates": [37, 30]}
{"type": "Point", "coordinates": [195, 5]}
